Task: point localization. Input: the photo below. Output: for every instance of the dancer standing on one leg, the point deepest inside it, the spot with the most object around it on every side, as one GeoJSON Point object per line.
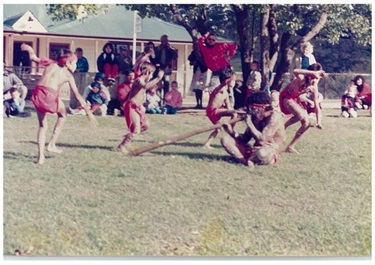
{"type": "Point", "coordinates": [135, 112]}
{"type": "Point", "coordinates": [45, 96]}
{"type": "Point", "coordinates": [305, 81]}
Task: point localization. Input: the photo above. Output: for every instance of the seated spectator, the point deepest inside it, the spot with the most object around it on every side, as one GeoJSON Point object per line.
{"type": "Point", "coordinates": [350, 101]}
{"type": "Point", "coordinates": [99, 77]}
{"type": "Point", "coordinates": [82, 63]}
{"type": "Point", "coordinates": [173, 99]}
{"type": "Point", "coordinates": [124, 60]}
{"type": "Point", "coordinates": [15, 105]}
{"type": "Point", "coordinates": [96, 99]}
{"type": "Point", "coordinates": [153, 101]}
{"type": "Point", "coordinates": [123, 90]}
{"type": "Point", "coordinates": [11, 80]}
{"type": "Point", "coordinates": [107, 63]}
{"type": "Point", "coordinates": [364, 92]}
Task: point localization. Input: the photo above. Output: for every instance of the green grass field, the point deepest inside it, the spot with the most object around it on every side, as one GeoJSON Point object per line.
{"type": "Point", "coordinates": [182, 200]}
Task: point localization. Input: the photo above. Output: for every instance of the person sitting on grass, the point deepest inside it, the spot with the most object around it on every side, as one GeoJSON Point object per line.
{"type": "Point", "coordinates": [265, 126]}
{"type": "Point", "coordinates": [350, 102]}
{"type": "Point", "coordinates": [173, 99]}
{"type": "Point", "coordinates": [152, 103]}
{"type": "Point", "coordinates": [14, 106]}
{"type": "Point", "coordinates": [96, 99]}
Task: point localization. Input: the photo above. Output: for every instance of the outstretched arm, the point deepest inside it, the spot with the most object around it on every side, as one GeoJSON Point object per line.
{"type": "Point", "coordinates": [80, 99]}
{"type": "Point", "coordinates": [153, 82]}
{"type": "Point", "coordinates": [30, 50]}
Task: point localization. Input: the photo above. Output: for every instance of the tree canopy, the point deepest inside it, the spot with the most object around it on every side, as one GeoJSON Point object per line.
{"type": "Point", "coordinates": [271, 32]}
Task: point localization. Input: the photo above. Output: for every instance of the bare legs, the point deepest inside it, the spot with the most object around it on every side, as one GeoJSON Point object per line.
{"type": "Point", "coordinates": [235, 150]}
{"type": "Point", "coordinates": [43, 126]}
{"type": "Point", "coordinates": [299, 114]}
{"type": "Point", "coordinates": [136, 128]}
{"type": "Point", "coordinates": [212, 136]}
{"type": "Point", "coordinates": [219, 113]}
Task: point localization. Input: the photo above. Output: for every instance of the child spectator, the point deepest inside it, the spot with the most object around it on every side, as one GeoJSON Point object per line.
{"type": "Point", "coordinates": [152, 103]}
{"type": "Point", "coordinates": [350, 101]}
{"type": "Point", "coordinates": [99, 77]}
{"type": "Point", "coordinates": [82, 63]}
{"type": "Point", "coordinates": [173, 99]}
{"type": "Point", "coordinates": [96, 99]}
{"type": "Point", "coordinates": [254, 80]}
{"type": "Point", "coordinates": [14, 105]}
{"type": "Point", "coordinates": [107, 63]}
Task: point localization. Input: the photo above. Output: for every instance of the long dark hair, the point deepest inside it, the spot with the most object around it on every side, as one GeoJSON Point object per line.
{"type": "Point", "coordinates": [356, 78]}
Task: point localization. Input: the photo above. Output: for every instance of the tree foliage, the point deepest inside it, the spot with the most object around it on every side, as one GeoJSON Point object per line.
{"type": "Point", "coordinates": [272, 31]}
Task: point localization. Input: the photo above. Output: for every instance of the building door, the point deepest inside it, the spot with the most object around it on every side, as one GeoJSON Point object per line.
{"type": "Point", "coordinates": [21, 59]}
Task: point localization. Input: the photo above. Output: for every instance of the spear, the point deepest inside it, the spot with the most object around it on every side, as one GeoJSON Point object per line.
{"type": "Point", "coordinates": [180, 137]}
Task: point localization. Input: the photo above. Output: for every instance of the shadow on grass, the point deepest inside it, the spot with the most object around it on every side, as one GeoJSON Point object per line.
{"type": "Point", "coordinates": [18, 156]}
{"type": "Point", "coordinates": [187, 144]}
{"type": "Point", "coordinates": [83, 146]}
{"type": "Point", "coordinates": [204, 156]}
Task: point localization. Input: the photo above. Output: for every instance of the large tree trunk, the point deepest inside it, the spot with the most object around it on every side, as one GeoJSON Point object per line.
{"type": "Point", "coordinates": [242, 13]}
{"type": "Point", "coordinates": [264, 45]}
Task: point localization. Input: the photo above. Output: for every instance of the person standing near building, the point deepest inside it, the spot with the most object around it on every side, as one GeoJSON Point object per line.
{"type": "Point", "coordinates": [217, 58]}
{"type": "Point", "coordinates": [199, 80]}
{"type": "Point", "coordinates": [82, 63]}
{"type": "Point", "coordinates": [164, 55]}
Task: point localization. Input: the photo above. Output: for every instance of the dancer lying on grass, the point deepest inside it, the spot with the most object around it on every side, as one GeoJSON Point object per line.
{"type": "Point", "coordinates": [265, 126]}
{"type": "Point", "coordinates": [45, 96]}
{"type": "Point", "coordinates": [135, 112]}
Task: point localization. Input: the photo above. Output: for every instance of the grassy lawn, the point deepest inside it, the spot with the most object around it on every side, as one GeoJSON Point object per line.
{"type": "Point", "coordinates": [184, 200]}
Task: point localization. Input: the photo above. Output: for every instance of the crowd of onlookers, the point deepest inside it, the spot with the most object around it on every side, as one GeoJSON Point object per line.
{"type": "Point", "coordinates": [165, 98]}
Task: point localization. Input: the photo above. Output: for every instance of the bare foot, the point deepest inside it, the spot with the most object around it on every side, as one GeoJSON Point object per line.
{"type": "Point", "coordinates": [208, 147]}
{"type": "Point", "coordinates": [291, 150]}
{"type": "Point", "coordinates": [40, 161]}
{"type": "Point", "coordinates": [122, 149]}
{"type": "Point", "coordinates": [250, 164]}
{"type": "Point", "coordinates": [53, 149]}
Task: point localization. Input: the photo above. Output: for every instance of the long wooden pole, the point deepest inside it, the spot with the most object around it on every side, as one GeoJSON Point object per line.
{"type": "Point", "coordinates": [180, 137]}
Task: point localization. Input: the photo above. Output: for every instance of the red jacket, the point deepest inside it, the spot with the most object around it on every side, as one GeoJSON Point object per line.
{"type": "Point", "coordinates": [365, 93]}
{"type": "Point", "coordinates": [217, 57]}
{"type": "Point", "coordinates": [123, 91]}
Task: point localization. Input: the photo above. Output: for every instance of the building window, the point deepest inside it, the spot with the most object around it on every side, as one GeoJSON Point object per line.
{"type": "Point", "coordinates": [54, 49]}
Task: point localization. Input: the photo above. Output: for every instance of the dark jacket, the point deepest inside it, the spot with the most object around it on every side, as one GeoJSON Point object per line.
{"type": "Point", "coordinates": [170, 54]}
{"type": "Point", "coordinates": [105, 58]}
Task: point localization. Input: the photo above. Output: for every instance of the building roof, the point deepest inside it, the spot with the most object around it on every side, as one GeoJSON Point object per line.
{"type": "Point", "coordinates": [116, 23]}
